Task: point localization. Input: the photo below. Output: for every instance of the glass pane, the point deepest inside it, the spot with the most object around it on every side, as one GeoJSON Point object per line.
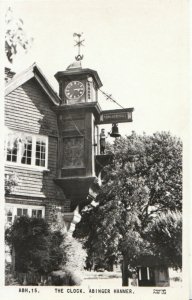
{"type": "Point", "coordinates": [34, 213]}
{"type": "Point", "coordinates": [42, 163]}
{"type": "Point", "coordinates": [9, 216]}
{"type": "Point", "coordinates": [19, 212]}
{"type": "Point", "coordinates": [29, 161]}
{"type": "Point", "coordinates": [37, 154]}
{"type": "Point", "coordinates": [9, 219]}
{"type": "Point", "coordinates": [14, 151]}
{"type": "Point", "coordinates": [37, 162]}
{"type": "Point", "coordinates": [40, 153]}
{"type": "Point", "coordinates": [12, 154]}
{"type": "Point", "coordinates": [39, 214]}
{"type": "Point", "coordinates": [23, 160]}
{"type": "Point", "coordinates": [27, 154]}
{"type": "Point", "coordinates": [24, 211]}
{"type": "Point", "coordinates": [8, 157]}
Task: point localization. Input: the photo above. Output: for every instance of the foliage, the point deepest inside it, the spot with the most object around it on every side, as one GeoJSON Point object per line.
{"type": "Point", "coordinates": [165, 235]}
{"type": "Point", "coordinates": [39, 249]}
{"type": "Point", "coordinates": [67, 277]}
{"type": "Point", "coordinates": [74, 255]}
{"type": "Point", "coordinates": [11, 181]}
{"type": "Point", "coordinates": [75, 278]}
{"type": "Point", "coordinates": [144, 178]}
{"type": "Point", "coordinates": [15, 36]}
{"type": "Point", "coordinates": [36, 247]}
{"type": "Point", "coordinates": [72, 263]}
{"type": "Point", "coordinates": [9, 277]}
{"type": "Point", "coordinates": [57, 221]}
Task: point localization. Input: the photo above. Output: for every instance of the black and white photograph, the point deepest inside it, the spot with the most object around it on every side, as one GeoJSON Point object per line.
{"type": "Point", "coordinates": [95, 149]}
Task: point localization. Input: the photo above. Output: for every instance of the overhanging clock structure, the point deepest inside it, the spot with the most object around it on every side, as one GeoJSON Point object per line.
{"type": "Point", "coordinates": [79, 117]}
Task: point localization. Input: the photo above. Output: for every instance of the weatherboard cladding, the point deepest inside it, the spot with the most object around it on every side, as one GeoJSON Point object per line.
{"type": "Point", "coordinates": [28, 109]}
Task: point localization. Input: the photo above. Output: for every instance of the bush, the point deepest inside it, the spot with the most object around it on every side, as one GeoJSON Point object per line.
{"type": "Point", "coordinates": [74, 256]}
{"type": "Point", "coordinates": [9, 277]}
{"type": "Point", "coordinates": [11, 181]}
{"type": "Point", "coordinates": [72, 264]}
{"type": "Point", "coordinates": [75, 277]}
{"type": "Point", "coordinates": [66, 277]}
{"type": "Point", "coordinates": [36, 247]}
{"type": "Point", "coordinates": [39, 250]}
{"type": "Point", "coordinates": [59, 278]}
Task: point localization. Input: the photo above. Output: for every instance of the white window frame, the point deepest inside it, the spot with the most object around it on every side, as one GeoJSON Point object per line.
{"type": "Point", "coordinates": [34, 138]}
{"type": "Point", "coordinates": [13, 208]}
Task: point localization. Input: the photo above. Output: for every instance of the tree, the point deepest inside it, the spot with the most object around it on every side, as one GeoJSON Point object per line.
{"type": "Point", "coordinates": [164, 233]}
{"type": "Point", "coordinates": [143, 180]}
{"type": "Point", "coordinates": [42, 249]}
{"type": "Point", "coordinates": [36, 248]}
{"type": "Point", "coordinates": [15, 36]}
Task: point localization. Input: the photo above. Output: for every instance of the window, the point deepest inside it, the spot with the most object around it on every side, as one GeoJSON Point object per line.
{"type": "Point", "coordinates": [36, 213]}
{"type": "Point", "coordinates": [12, 150]}
{"type": "Point", "coordinates": [27, 153]}
{"type": "Point", "coordinates": [40, 153]}
{"type": "Point", "coordinates": [18, 210]}
{"type": "Point", "coordinates": [9, 216]}
{"type": "Point", "coordinates": [21, 212]}
{"type": "Point", "coordinates": [25, 149]}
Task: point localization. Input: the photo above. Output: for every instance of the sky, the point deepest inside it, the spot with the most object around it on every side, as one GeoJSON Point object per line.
{"type": "Point", "coordinates": [138, 47]}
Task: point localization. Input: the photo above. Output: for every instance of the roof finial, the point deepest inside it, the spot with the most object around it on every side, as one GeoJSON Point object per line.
{"type": "Point", "coordinates": [79, 43]}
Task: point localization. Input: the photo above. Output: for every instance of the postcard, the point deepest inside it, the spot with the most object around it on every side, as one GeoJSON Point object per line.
{"type": "Point", "coordinates": [95, 153]}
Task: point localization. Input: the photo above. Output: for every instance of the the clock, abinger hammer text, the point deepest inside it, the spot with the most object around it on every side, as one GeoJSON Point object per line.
{"type": "Point", "coordinates": [74, 90]}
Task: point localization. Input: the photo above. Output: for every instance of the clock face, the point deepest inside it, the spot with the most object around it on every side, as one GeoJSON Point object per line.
{"type": "Point", "coordinates": [74, 90]}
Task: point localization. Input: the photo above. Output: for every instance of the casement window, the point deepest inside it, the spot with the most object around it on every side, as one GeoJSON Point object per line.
{"type": "Point", "coordinates": [12, 152]}
{"type": "Point", "coordinates": [22, 212]}
{"type": "Point", "coordinates": [40, 152]}
{"type": "Point", "coordinates": [9, 216]}
{"type": "Point", "coordinates": [18, 210]}
{"type": "Point", "coordinates": [27, 149]}
{"type": "Point", "coordinates": [36, 213]}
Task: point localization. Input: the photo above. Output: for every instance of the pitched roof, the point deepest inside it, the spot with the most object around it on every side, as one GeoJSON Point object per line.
{"type": "Point", "coordinates": [33, 72]}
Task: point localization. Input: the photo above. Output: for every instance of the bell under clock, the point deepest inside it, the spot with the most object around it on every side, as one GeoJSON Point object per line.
{"type": "Point", "coordinates": [74, 90]}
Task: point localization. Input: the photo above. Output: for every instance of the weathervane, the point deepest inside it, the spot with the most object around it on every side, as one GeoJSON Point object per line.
{"type": "Point", "coordinates": [79, 43]}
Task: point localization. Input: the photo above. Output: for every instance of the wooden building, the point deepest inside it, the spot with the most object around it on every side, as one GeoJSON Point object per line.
{"type": "Point", "coordinates": [32, 145]}
{"type": "Point", "coordinates": [52, 145]}
{"type": "Point", "coordinates": [52, 142]}
{"type": "Point", "coordinates": [32, 141]}
{"type": "Point", "coordinates": [151, 271]}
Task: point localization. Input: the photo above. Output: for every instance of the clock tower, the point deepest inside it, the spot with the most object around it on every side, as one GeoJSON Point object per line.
{"type": "Point", "coordinates": [79, 115]}
{"type": "Point", "coordinates": [78, 118]}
